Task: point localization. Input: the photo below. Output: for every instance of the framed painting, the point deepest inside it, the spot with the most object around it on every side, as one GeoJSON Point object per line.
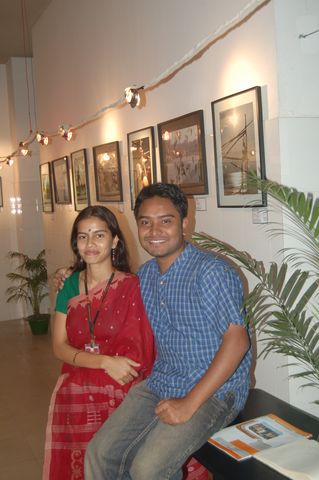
{"type": "Point", "coordinates": [141, 160]}
{"type": "Point", "coordinates": [107, 170]}
{"type": "Point", "coordinates": [61, 177]}
{"type": "Point", "coordinates": [80, 176]}
{"type": "Point", "coordinates": [239, 148]}
{"type": "Point", "coordinates": [183, 154]}
{"type": "Point", "coordinates": [1, 195]}
{"type": "Point", "coordinates": [46, 187]}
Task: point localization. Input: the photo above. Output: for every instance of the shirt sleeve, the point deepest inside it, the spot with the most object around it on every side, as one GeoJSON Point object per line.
{"type": "Point", "coordinates": [70, 289]}
{"type": "Point", "coordinates": [223, 297]}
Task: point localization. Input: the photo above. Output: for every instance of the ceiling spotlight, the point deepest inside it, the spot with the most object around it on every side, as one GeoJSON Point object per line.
{"type": "Point", "coordinates": [23, 149]}
{"type": "Point", "coordinates": [42, 138]}
{"type": "Point", "coordinates": [9, 161]}
{"type": "Point", "coordinates": [132, 96]}
{"type": "Point", "coordinates": [65, 132]}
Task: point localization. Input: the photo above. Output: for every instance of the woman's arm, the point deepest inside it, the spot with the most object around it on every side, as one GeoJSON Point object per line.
{"type": "Point", "coordinates": [118, 367]}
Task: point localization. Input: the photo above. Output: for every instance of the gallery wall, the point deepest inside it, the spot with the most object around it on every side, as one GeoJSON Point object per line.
{"type": "Point", "coordinates": [87, 53]}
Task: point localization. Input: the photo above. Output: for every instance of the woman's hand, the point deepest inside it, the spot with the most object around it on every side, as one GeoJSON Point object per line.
{"type": "Point", "coordinates": [120, 369]}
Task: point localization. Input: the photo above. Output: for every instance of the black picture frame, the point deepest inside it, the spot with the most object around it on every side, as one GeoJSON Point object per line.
{"type": "Point", "coordinates": [80, 177]}
{"type": "Point", "coordinates": [182, 153]}
{"type": "Point", "coordinates": [107, 171]}
{"type": "Point", "coordinates": [46, 187]}
{"type": "Point", "coordinates": [61, 178]}
{"type": "Point", "coordinates": [141, 160]}
{"type": "Point", "coordinates": [239, 147]}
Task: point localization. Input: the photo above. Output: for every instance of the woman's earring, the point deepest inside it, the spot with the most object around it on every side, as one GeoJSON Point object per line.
{"type": "Point", "coordinates": [81, 261]}
{"type": "Point", "coordinates": [113, 255]}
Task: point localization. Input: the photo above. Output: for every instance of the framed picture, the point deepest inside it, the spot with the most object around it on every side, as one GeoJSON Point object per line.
{"type": "Point", "coordinates": [46, 187]}
{"type": "Point", "coordinates": [239, 147]}
{"type": "Point", "coordinates": [1, 195]}
{"type": "Point", "coordinates": [61, 176]}
{"type": "Point", "coordinates": [183, 154]}
{"type": "Point", "coordinates": [80, 178]}
{"type": "Point", "coordinates": [107, 170]}
{"type": "Point", "coordinates": [141, 159]}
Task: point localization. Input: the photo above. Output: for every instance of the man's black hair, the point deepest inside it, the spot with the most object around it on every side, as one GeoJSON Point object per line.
{"type": "Point", "coordinates": [164, 190]}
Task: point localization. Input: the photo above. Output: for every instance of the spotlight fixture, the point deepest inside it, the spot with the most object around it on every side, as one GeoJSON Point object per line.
{"type": "Point", "coordinates": [9, 161]}
{"type": "Point", "coordinates": [42, 138]}
{"type": "Point", "coordinates": [23, 149]}
{"type": "Point", "coordinates": [65, 132]}
{"type": "Point", "coordinates": [132, 96]}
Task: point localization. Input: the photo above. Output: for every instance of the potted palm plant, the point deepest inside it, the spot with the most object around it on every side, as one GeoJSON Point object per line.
{"type": "Point", "coordinates": [31, 287]}
{"type": "Point", "coordinates": [282, 305]}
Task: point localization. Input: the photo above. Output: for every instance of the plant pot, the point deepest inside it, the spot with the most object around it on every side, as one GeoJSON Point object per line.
{"type": "Point", "coordinates": [39, 324]}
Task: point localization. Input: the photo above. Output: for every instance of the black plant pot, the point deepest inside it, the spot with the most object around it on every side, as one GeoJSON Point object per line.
{"type": "Point", "coordinates": [39, 324]}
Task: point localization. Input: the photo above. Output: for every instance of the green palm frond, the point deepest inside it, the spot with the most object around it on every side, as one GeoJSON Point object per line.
{"type": "Point", "coordinates": [30, 279]}
{"type": "Point", "coordinates": [277, 306]}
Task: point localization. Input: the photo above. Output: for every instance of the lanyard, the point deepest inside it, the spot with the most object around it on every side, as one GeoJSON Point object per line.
{"type": "Point", "coordinates": [88, 305]}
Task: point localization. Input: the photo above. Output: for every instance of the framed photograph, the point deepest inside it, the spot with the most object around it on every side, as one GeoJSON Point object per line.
{"type": "Point", "coordinates": [239, 147]}
{"type": "Point", "coordinates": [182, 153]}
{"type": "Point", "coordinates": [1, 195]}
{"type": "Point", "coordinates": [107, 170]}
{"type": "Point", "coordinates": [141, 160]}
{"type": "Point", "coordinates": [46, 187]}
{"type": "Point", "coordinates": [61, 177]}
{"type": "Point", "coordinates": [80, 176]}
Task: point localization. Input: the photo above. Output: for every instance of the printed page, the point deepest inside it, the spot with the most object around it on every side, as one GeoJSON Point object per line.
{"type": "Point", "coordinates": [246, 439]}
{"type": "Point", "coordinates": [298, 460]}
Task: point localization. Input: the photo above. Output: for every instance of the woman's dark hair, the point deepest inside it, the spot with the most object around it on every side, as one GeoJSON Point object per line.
{"type": "Point", "coordinates": [119, 256]}
{"type": "Point", "coordinates": [164, 190]}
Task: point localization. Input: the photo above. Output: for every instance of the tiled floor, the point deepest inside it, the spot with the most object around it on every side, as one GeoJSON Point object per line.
{"type": "Point", "coordinates": [28, 372]}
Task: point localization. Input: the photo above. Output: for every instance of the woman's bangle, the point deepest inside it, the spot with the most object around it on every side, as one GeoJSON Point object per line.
{"type": "Point", "coordinates": [75, 355]}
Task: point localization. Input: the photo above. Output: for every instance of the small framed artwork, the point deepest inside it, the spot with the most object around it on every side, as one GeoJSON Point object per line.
{"type": "Point", "coordinates": [183, 154]}
{"type": "Point", "coordinates": [1, 195]}
{"type": "Point", "coordinates": [46, 187]}
{"type": "Point", "coordinates": [141, 159]}
{"type": "Point", "coordinates": [81, 189]}
{"type": "Point", "coordinates": [61, 177]}
{"type": "Point", "coordinates": [239, 148]}
{"type": "Point", "coordinates": [107, 170]}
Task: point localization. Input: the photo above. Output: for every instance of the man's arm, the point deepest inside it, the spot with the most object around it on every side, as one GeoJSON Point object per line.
{"type": "Point", "coordinates": [234, 345]}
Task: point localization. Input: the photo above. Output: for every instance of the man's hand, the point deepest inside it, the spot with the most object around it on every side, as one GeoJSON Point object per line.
{"type": "Point", "coordinates": [59, 277]}
{"type": "Point", "coordinates": [175, 411]}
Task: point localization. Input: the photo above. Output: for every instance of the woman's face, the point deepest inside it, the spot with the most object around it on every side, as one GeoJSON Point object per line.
{"type": "Point", "coordinates": [95, 241]}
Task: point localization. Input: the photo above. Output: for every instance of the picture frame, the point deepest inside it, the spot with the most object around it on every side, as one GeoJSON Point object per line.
{"type": "Point", "coordinates": [141, 160]}
{"type": "Point", "coordinates": [1, 194]}
{"type": "Point", "coordinates": [61, 178]}
{"type": "Point", "coordinates": [107, 171]}
{"type": "Point", "coordinates": [80, 177]}
{"type": "Point", "coordinates": [182, 153]}
{"type": "Point", "coordinates": [46, 187]}
{"type": "Point", "coordinates": [239, 148]}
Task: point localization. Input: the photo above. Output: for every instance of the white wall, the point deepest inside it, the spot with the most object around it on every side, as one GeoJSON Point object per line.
{"type": "Point", "coordinates": [298, 80]}
{"type": "Point", "coordinates": [86, 53]}
{"type": "Point", "coordinates": [18, 232]}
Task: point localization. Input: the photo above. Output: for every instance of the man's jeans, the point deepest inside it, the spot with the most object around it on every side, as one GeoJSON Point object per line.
{"type": "Point", "coordinates": [134, 444]}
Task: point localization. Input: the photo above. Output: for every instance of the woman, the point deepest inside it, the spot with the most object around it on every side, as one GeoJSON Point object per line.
{"type": "Point", "coordinates": [102, 335]}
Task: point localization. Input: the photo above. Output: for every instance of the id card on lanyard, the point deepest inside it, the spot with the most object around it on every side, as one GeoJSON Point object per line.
{"type": "Point", "coordinates": [93, 347]}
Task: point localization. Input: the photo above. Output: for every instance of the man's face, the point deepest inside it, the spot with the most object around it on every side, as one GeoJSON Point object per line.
{"type": "Point", "coordinates": [160, 230]}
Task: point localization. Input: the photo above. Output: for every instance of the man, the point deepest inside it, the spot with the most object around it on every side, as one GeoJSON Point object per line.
{"type": "Point", "coordinates": [200, 378]}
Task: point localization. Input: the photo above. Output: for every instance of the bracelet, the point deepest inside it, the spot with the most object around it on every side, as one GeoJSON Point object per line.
{"type": "Point", "coordinates": [75, 355]}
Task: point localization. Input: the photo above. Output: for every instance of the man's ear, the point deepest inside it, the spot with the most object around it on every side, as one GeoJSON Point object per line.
{"type": "Point", "coordinates": [184, 224]}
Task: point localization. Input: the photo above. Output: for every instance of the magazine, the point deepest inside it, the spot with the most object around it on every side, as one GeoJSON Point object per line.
{"type": "Point", "coordinates": [245, 439]}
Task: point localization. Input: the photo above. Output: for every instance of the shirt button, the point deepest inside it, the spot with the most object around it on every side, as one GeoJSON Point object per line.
{"type": "Point", "coordinates": [161, 282]}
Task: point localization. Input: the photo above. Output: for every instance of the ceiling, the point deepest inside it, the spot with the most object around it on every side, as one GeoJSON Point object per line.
{"type": "Point", "coordinates": [12, 13]}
